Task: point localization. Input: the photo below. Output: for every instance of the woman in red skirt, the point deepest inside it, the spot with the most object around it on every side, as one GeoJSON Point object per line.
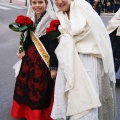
{"type": "Point", "coordinates": [33, 94]}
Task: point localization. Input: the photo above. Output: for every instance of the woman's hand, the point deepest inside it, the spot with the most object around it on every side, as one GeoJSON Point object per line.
{"type": "Point", "coordinates": [53, 74]}
{"type": "Point", "coordinates": [21, 55]}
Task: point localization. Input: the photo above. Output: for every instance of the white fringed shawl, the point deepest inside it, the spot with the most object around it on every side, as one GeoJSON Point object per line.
{"type": "Point", "coordinates": [42, 25]}
{"type": "Point", "coordinates": [80, 92]}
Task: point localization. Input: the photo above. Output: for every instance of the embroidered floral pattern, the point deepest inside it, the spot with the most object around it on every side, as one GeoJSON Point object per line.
{"type": "Point", "coordinates": [34, 85]}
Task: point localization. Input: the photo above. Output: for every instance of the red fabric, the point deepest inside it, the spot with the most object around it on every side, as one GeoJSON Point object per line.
{"type": "Point", "coordinates": [34, 85]}
{"type": "Point", "coordinates": [23, 111]}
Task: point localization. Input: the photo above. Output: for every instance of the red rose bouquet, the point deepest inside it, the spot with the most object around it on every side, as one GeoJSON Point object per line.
{"type": "Point", "coordinates": [22, 24]}
{"type": "Point", "coordinates": [52, 31]}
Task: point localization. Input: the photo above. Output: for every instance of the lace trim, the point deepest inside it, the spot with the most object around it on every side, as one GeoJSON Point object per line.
{"type": "Point", "coordinates": [53, 68]}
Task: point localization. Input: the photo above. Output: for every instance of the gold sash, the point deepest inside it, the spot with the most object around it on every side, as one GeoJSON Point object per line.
{"type": "Point", "coordinates": [41, 49]}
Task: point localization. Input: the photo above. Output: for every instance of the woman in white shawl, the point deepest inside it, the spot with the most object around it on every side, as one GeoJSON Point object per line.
{"type": "Point", "coordinates": [114, 32]}
{"type": "Point", "coordinates": [85, 82]}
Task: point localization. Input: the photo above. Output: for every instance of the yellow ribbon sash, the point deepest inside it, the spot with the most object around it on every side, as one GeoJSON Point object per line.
{"type": "Point", "coordinates": [41, 49]}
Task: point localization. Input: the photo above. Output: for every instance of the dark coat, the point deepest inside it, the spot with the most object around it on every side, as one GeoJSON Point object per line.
{"type": "Point", "coordinates": [115, 42]}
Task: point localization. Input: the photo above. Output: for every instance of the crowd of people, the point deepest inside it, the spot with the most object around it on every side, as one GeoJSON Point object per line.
{"type": "Point", "coordinates": [71, 77]}
{"type": "Point", "coordinates": [105, 6]}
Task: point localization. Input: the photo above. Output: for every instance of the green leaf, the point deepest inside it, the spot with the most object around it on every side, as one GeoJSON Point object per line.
{"type": "Point", "coordinates": [14, 27]}
{"type": "Point", "coordinates": [31, 28]}
{"type": "Point", "coordinates": [18, 28]}
{"type": "Point", "coordinates": [23, 28]}
{"type": "Point", "coordinates": [53, 35]}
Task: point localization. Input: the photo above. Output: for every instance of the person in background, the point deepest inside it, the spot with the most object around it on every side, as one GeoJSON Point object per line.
{"type": "Point", "coordinates": [85, 81]}
{"type": "Point", "coordinates": [33, 93]}
{"type": "Point", "coordinates": [97, 6]}
{"type": "Point", "coordinates": [113, 29]}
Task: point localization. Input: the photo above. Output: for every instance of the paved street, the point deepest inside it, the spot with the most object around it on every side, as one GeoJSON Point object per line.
{"type": "Point", "coordinates": [21, 3]}
{"type": "Point", "coordinates": [9, 41]}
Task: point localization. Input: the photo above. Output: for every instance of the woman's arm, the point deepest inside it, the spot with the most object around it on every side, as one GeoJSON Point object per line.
{"type": "Point", "coordinates": [50, 46]}
{"type": "Point", "coordinates": [53, 59]}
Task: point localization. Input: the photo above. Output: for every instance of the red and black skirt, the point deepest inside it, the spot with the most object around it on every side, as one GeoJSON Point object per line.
{"type": "Point", "coordinates": [33, 93]}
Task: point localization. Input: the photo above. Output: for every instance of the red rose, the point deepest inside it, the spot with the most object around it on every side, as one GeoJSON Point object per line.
{"type": "Point", "coordinates": [55, 23]}
{"type": "Point", "coordinates": [47, 30]}
{"type": "Point", "coordinates": [50, 29]}
{"type": "Point", "coordinates": [23, 20]}
{"type": "Point", "coordinates": [53, 26]}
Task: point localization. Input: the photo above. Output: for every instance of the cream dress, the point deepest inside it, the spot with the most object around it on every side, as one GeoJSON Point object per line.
{"type": "Point", "coordinates": [59, 106]}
